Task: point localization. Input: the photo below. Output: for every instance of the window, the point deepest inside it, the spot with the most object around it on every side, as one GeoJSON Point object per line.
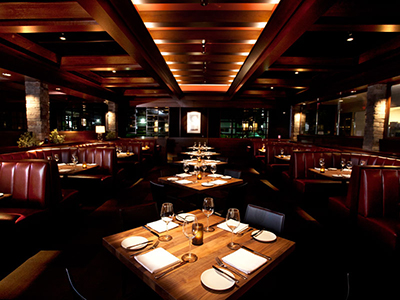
{"type": "Point", "coordinates": [394, 112]}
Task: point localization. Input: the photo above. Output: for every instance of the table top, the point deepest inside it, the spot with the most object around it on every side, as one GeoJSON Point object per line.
{"type": "Point", "coordinates": [197, 186]}
{"type": "Point", "coordinates": [185, 282]}
{"type": "Point", "coordinates": [5, 196]}
{"type": "Point", "coordinates": [333, 174]}
{"type": "Point", "coordinates": [124, 154]}
{"type": "Point", "coordinates": [283, 157]}
{"type": "Point", "coordinates": [203, 153]}
{"type": "Point", "coordinates": [208, 162]}
{"type": "Point", "coordinates": [69, 169]}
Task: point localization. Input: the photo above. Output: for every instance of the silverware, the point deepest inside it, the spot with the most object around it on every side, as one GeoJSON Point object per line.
{"type": "Point", "coordinates": [244, 231]}
{"type": "Point", "coordinates": [258, 253]}
{"type": "Point", "coordinates": [146, 242]}
{"type": "Point", "coordinates": [152, 247]}
{"type": "Point", "coordinates": [217, 223]}
{"type": "Point", "coordinates": [225, 274]}
{"type": "Point", "coordinates": [153, 232]}
{"type": "Point", "coordinates": [257, 233]}
{"type": "Point", "coordinates": [170, 269]}
{"type": "Point", "coordinates": [221, 264]}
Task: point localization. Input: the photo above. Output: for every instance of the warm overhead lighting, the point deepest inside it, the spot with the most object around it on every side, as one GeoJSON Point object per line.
{"type": "Point", "coordinates": [272, 87]}
{"type": "Point", "coordinates": [203, 46]}
{"type": "Point", "coordinates": [150, 24]}
{"type": "Point", "coordinates": [62, 37]}
{"type": "Point", "coordinates": [252, 42]}
{"type": "Point", "coordinates": [203, 2]}
{"type": "Point", "coordinates": [297, 72]}
{"type": "Point", "coordinates": [6, 74]}
{"type": "Point", "coordinates": [260, 24]}
{"type": "Point", "coordinates": [350, 37]}
{"type": "Point", "coordinates": [159, 41]}
{"type": "Point", "coordinates": [114, 71]}
{"type": "Point", "coordinates": [58, 89]}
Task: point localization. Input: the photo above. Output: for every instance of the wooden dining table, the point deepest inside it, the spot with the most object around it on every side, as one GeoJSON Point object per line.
{"type": "Point", "coordinates": [185, 281]}
{"type": "Point", "coordinates": [333, 174]}
{"type": "Point", "coordinates": [70, 169]}
{"type": "Point", "coordinates": [197, 186]}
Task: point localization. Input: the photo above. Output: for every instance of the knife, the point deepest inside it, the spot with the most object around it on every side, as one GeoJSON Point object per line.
{"type": "Point", "coordinates": [258, 253]}
{"type": "Point", "coordinates": [153, 232]}
{"type": "Point", "coordinates": [225, 274]}
{"type": "Point", "coordinates": [170, 269]}
{"type": "Point", "coordinates": [146, 242]}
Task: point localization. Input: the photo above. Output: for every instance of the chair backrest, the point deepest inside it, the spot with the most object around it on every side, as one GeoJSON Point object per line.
{"type": "Point", "coordinates": [77, 295]}
{"type": "Point", "coordinates": [261, 217]}
{"type": "Point", "coordinates": [158, 193]}
{"type": "Point", "coordinates": [237, 196]}
{"type": "Point", "coordinates": [233, 173]}
{"type": "Point", "coordinates": [135, 216]}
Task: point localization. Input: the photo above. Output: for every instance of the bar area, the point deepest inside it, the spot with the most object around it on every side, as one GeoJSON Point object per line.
{"type": "Point", "coordinates": [199, 149]}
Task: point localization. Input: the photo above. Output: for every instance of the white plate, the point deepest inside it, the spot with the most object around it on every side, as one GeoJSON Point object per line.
{"type": "Point", "coordinates": [226, 177]}
{"type": "Point", "coordinates": [173, 178]}
{"type": "Point", "coordinates": [207, 184]}
{"type": "Point", "coordinates": [181, 217]}
{"type": "Point", "coordinates": [215, 281]}
{"type": "Point", "coordinates": [215, 175]}
{"type": "Point", "coordinates": [133, 240]}
{"type": "Point", "coordinates": [265, 236]}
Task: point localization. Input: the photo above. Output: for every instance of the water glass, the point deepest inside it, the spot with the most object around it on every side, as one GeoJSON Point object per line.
{"type": "Point", "coordinates": [167, 215]}
{"type": "Point", "coordinates": [208, 210]}
{"type": "Point", "coordinates": [190, 228]}
{"type": "Point", "coordinates": [233, 222]}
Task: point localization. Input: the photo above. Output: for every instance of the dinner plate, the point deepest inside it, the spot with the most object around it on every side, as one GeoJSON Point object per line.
{"type": "Point", "coordinates": [207, 184]}
{"type": "Point", "coordinates": [215, 175]}
{"type": "Point", "coordinates": [181, 217]}
{"type": "Point", "coordinates": [264, 236]}
{"type": "Point", "coordinates": [133, 240]}
{"type": "Point", "coordinates": [226, 177]}
{"type": "Point", "coordinates": [216, 281]}
{"type": "Point", "coordinates": [173, 178]}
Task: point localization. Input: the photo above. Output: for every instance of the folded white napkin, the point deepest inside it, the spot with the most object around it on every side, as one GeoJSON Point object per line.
{"type": "Point", "coordinates": [215, 175]}
{"type": "Point", "coordinates": [346, 175]}
{"type": "Point", "coordinates": [183, 175]}
{"type": "Point", "coordinates": [64, 170]}
{"type": "Point", "coordinates": [161, 226]}
{"type": "Point", "coordinates": [244, 260]}
{"type": "Point", "coordinates": [318, 169]}
{"type": "Point", "coordinates": [157, 260]}
{"type": "Point", "coordinates": [332, 169]}
{"type": "Point", "coordinates": [184, 181]}
{"type": "Point", "coordinates": [62, 164]}
{"type": "Point", "coordinates": [241, 227]}
{"type": "Point", "coordinates": [219, 181]}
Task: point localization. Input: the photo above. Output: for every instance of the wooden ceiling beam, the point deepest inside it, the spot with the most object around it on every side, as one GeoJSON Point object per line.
{"type": "Point", "coordinates": [277, 82]}
{"type": "Point", "coordinates": [204, 58]}
{"type": "Point", "coordinates": [49, 26]}
{"type": "Point", "coordinates": [209, 35]}
{"type": "Point", "coordinates": [99, 63]}
{"type": "Point", "coordinates": [122, 22]}
{"type": "Point", "coordinates": [290, 20]}
{"type": "Point", "coordinates": [356, 27]}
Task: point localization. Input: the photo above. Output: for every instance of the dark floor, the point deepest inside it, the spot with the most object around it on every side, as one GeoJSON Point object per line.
{"type": "Point", "coordinates": [324, 265]}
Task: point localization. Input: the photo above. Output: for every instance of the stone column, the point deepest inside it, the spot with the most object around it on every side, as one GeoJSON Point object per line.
{"type": "Point", "coordinates": [296, 122]}
{"type": "Point", "coordinates": [111, 117]}
{"type": "Point", "coordinates": [37, 108]}
{"type": "Point", "coordinates": [375, 116]}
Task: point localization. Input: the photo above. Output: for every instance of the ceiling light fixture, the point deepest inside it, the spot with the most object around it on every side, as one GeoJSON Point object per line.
{"type": "Point", "coordinates": [350, 37]}
{"type": "Point", "coordinates": [297, 72]}
{"type": "Point", "coordinates": [114, 71]}
{"type": "Point", "coordinates": [62, 37]}
{"type": "Point", "coordinates": [6, 74]}
{"type": "Point", "coordinates": [203, 2]}
{"type": "Point", "coordinates": [203, 46]}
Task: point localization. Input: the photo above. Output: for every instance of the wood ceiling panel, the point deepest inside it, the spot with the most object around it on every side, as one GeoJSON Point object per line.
{"type": "Point", "coordinates": [208, 35]}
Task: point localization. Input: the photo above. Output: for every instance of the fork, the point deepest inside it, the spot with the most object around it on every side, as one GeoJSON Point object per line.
{"type": "Point", "coordinates": [244, 231]}
{"type": "Point", "coordinates": [221, 264]}
{"type": "Point", "coordinates": [152, 247]}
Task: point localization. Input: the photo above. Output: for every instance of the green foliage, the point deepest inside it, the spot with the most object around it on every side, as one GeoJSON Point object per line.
{"type": "Point", "coordinates": [56, 138]}
{"type": "Point", "coordinates": [27, 139]}
{"type": "Point", "coordinates": [111, 135]}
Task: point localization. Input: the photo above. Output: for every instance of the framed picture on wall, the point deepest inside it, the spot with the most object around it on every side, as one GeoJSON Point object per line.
{"type": "Point", "coordinates": [193, 122]}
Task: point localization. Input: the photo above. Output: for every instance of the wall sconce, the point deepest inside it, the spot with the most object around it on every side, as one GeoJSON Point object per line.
{"type": "Point", "coordinates": [100, 130]}
{"type": "Point", "coordinates": [245, 126]}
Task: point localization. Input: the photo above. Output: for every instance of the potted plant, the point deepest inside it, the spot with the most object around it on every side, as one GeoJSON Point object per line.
{"type": "Point", "coordinates": [28, 139]}
{"type": "Point", "coordinates": [56, 138]}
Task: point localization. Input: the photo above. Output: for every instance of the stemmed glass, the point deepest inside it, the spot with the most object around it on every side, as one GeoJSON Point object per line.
{"type": "Point", "coordinates": [196, 170]}
{"type": "Point", "coordinates": [349, 165]}
{"type": "Point", "coordinates": [56, 157]}
{"type": "Point", "coordinates": [203, 167]}
{"type": "Point", "coordinates": [343, 163]}
{"type": "Point", "coordinates": [185, 167]}
{"type": "Point", "coordinates": [190, 228]}
{"type": "Point", "coordinates": [74, 160]}
{"type": "Point", "coordinates": [208, 210]}
{"type": "Point", "coordinates": [213, 168]}
{"type": "Point", "coordinates": [167, 215]}
{"type": "Point", "coordinates": [282, 151]}
{"type": "Point", "coordinates": [322, 162]}
{"type": "Point", "coordinates": [233, 222]}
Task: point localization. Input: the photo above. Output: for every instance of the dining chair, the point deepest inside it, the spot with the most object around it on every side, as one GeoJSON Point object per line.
{"type": "Point", "coordinates": [76, 293]}
{"type": "Point", "coordinates": [236, 197]}
{"type": "Point", "coordinates": [233, 173]}
{"type": "Point", "coordinates": [261, 217]}
{"type": "Point", "coordinates": [158, 193]}
{"type": "Point", "coordinates": [138, 215]}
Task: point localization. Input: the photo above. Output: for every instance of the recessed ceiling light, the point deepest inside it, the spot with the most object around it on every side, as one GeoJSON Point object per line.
{"type": "Point", "coordinates": [114, 71]}
{"type": "Point", "coordinates": [58, 89]}
{"type": "Point", "coordinates": [350, 37]}
{"type": "Point", "coordinates": [6, 74]}
{"type": "Point", "coordinates": [297, 72]}
{"type": "Point", "coordinates": [62, 37]}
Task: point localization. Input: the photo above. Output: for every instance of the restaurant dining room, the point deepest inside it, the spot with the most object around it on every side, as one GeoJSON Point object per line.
{"type": "Point", "coordinates": [199, 149]}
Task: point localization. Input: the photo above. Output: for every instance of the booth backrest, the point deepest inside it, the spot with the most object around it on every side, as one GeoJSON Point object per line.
{"type": "Point", "coordinates": [105, 157]}
{"type": "Point", "coordinates": [32, 183]}
{"type": "Point", "coordinates": [301, 161]}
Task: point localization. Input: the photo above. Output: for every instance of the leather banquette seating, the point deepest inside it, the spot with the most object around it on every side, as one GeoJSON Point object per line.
{"type": "Point", "coordinates": [35, 191]}
{"type": "Point", "coordinates": [371, 204]}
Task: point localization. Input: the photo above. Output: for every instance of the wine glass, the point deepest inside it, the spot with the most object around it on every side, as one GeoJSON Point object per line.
{"type": "Point", "coordinates": [74, 160]}
{"type": "Point", "coordinates": [282, 151]}
{"type": "Point", "coordinates": [190, 228]}
{"type": "Point", "coordinates": [196, 170]}
{"type": "Point", "coordinates": [56, 157]}
{"type": "Point", "coordinates": [208, 210]}
{"type": "Point", "coordinates": [233, 222]}
{"type": "Point", "coordinates": [322, 162]}
{"type": "Point", "coordinates": [203, 166]}
{"type": "Point", "coordinates": [363, 163]}
{"type": "Point", "coordinates": [349, 165]}
{"type": "Point", "coordinates": [343, 163]}
{"type": "Point", "coordinates": [185, 167]}
{"type": "Point", "coordinates": [167, 215]}
{"type": "Point", "coordinates": [213, 168]}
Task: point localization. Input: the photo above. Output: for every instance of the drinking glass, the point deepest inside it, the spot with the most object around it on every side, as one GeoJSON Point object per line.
{"type": "Point", "coordinates": [189, 228]}
{"type": "Point", "coordinates": [213, 168]}
{"type": "Point", "coordinates": [208, 210]}
{"type": "Point", "coordinates": [363, 163]}
{"type": "Point", "coordinates": [167, 215]}
{"type": "Point", "coordinates": [343, 163]}
{"type": "Point", "coordinates": [349, 165]}
{"type": "Point", "coordinates": [74, 160]}
{"type": "Point", "coordinates": [56, 157]}
{"type": "Point", "coordinates": [203, 167]}
{"type": "Point", "coordinates": [282, 151]}
{"type": "Point", "coordinates": [196, 170]}
{"type": "Point", "coordinates": [322, 162]}
{"type": "Point", "coordinates": [233, 222]}
{"type": "Point", "coordinates": [185, 167]}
